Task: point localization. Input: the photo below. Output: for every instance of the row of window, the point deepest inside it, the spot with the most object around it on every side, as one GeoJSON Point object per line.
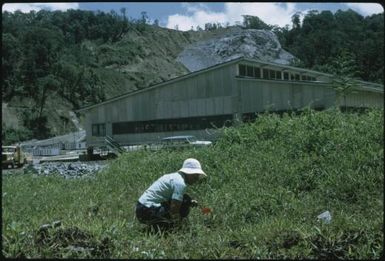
{"type": "Point", "coordinates": [255, 72]}
{"type": "Point", "coordinates": [99, 129]}
{"type": "Point", "coordinates": [195, 123]}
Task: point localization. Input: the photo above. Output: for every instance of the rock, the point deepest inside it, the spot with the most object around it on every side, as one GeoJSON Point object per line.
{"type": "Point", "coordinates": [56, 223]}
{"type": "Point", "coordinates": [325, 217]}
{"type": "Point", "coordinates": [237, 42]}
{"type": "Point", "coordinates": [79, 248]}
{"type": "Point", "coordinates": [45, 227]}
{"type": "Point", "coordinates": [68, 170]}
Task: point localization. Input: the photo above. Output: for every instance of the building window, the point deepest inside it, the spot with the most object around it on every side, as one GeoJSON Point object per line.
{"type": "Point", "coordinates": [102, 129]}
{"type": "Point", "coordinates": [272, 74]}
{"type": "Point", "coordinates": [95, 129]}
{"type": "Point", "coordinates": [257, 72]}
{"type": "Point", "coordinates": [250, 71]}
{"type": "Point", "coordinates": [242, 70]}
{"type": "Point", "coordinates": [181, 124]}
{"type": "Point", "coordinates": [99, 129]}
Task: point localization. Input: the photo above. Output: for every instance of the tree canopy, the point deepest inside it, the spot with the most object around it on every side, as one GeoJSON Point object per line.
{"type": "Point", "coordinates": [323, 36]}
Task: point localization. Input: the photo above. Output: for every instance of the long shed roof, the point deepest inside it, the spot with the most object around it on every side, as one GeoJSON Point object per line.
{"type": "Point", "coordinates": [378, 87]}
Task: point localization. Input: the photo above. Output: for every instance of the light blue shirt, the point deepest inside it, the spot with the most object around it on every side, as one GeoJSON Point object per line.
{"type": "Point", "coordinates": [167, 187]}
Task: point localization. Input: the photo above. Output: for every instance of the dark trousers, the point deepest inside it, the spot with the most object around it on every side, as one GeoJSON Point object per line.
{"type": "Point", "coordinates": [161, 215]}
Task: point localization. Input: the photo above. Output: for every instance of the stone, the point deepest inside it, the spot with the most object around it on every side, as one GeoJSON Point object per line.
{"type": "Point", "coordinates": [68, 170]}
{"type": "Point", "coordinates": [325, 217]}
{"type": "Point", "coordinates": [56, 223]}
{"type": "Point", "coordinates": [45, 227]}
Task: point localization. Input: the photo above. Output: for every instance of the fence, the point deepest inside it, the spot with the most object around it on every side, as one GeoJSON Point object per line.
{"type": "Point", "coordinates": [46, 152]}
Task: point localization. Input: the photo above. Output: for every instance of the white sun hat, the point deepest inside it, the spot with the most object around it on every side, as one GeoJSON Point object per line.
{"type": "Point", "coordinates": [192, 166]}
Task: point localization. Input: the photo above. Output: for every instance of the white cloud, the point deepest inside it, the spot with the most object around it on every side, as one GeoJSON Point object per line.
{"type": "Point", "coordinates": [270, 13]}
{"type": "Point", "coordinates": [191, 8]}
{"type": "Point", "coordinates": [27, 7]}
{"type": "Point", "coordinates": [366, 8]}
{"type": "Point", "coordinates": [198, 15]}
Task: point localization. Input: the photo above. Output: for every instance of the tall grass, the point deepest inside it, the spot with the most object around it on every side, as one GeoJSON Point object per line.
{"type": "Point", "coordinates": [267, 182]}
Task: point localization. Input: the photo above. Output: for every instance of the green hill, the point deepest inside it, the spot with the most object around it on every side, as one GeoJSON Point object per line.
{"type": "Point", "coordinates": [267, 182]}
{"type": "Point", "coordinates": [56, 62]}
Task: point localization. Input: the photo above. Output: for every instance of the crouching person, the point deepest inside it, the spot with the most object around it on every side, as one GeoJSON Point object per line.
{"type": "Point", "coordinates": [164, 203]}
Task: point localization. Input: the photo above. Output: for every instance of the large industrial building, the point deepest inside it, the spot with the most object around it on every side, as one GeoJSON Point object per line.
{"type": "Point", "coordinates": [203, 100]}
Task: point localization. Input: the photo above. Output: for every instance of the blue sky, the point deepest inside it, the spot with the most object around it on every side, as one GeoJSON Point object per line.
{"type": "Point", "coordinates": [186, 15]}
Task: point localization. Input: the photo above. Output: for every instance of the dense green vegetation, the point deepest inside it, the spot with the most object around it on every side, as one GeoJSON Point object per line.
{"type": "Point", "coordinates": [323, 36]}
{"type": "Point", "coordinates": [267, 182]}
{"type": "Point", "coordinates": [65, 60]}
{"type": "Point", "coordinates": [44, 54]}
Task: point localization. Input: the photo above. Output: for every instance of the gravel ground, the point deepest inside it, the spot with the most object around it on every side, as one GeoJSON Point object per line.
{"type": "Point", "coordinates": [68, 170]}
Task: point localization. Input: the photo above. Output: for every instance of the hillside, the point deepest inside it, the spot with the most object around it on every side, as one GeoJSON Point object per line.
{"type": "Point", "coordinates": [53, 63]}
{"type": "Point", "coordinates": [138, 60]}
{"type": "Point", "coordinates": [267, 183]}
{"type": "Point", "coordinates": [141, 58]}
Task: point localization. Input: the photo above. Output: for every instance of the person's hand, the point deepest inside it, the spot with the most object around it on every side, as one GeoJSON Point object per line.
{"type": "Point", "coordinates": [194, 203]}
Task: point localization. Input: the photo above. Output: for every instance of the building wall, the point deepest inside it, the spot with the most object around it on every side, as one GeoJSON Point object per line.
{"type": "Point", "coordinates": [364, 99]}
{"type": "Point", "coordinates": [210, 93]}
{"type": "Point", "coordinates": [273, 95]}
{"type": "Point", "coordinates": [218, 91]}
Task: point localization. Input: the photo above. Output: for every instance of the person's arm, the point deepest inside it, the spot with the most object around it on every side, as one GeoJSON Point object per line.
{"type": "Point", "coordinates": [175, 210]}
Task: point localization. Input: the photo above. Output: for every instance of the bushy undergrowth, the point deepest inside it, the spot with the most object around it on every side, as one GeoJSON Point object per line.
{"type": "Point", "coordinates": [267, 182]}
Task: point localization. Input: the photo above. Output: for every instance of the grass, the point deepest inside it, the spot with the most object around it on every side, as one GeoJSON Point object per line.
{"type": "Point", "coordinates": [267, 182]}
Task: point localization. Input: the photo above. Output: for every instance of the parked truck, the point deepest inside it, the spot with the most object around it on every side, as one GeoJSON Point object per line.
{"type": "Point", "coordinates": [12, 156]}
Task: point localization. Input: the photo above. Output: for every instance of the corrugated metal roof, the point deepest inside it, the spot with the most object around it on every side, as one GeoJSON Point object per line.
{"type": "Point", "coordinates": [161, 84]}
{"type": "Point", "coordinates": [378, 88]}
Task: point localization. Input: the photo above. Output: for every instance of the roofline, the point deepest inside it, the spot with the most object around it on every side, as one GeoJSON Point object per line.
{"type": "Point", "coordinates": [288, 67]}
{"type": "Point", "coordinates": [236, 60]}
{"type": "Point", "coordinates": [176, 137]}
{"type": "Point", "coordinates": [367, 88]}
{"type": "Point", "coordinates": [176, 79]}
